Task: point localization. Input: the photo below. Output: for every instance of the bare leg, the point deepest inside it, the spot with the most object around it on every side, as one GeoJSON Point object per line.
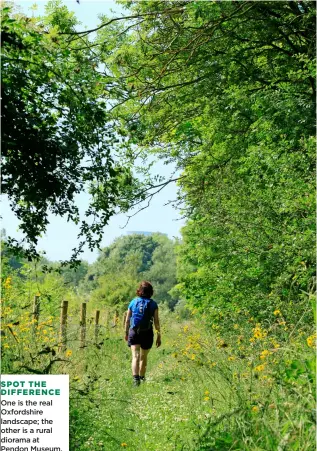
{"type": "Point", "coordinates": [135, 359]}
{"type": "Point", "coordinates": [143, 361]}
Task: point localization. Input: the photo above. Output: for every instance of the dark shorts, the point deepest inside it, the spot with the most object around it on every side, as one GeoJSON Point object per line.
{"type": "Point", "coordinates": [144, 338]}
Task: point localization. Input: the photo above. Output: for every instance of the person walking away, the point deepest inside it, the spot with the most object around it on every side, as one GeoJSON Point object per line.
{"type": "Point", "coordinates": [142, 311]}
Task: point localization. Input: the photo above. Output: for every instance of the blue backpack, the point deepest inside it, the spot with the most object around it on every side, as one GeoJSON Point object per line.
{"type": "Point", "coordinates": [141, 315]}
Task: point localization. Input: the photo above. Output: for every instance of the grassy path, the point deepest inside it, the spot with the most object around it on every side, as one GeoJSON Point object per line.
{"type": "Point", "coordinates": [196, 395]}
{"type": "Point", "coordinates": [155, 416]}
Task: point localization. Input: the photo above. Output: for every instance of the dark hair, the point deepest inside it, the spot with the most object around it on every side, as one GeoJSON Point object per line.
{"type": "Point", "coordinates": [145, 290]}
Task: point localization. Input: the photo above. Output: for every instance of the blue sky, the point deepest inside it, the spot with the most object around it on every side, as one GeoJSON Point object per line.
{"type": "Point", "coordinates": [61, 236]}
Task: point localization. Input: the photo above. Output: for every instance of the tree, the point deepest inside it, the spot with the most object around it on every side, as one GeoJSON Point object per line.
{"type": "Point", "coordinates": [162, 271]}
{"type": "Point", "coordinates": [73, 276]}
{"type": "Point", "coordinates": [114, 278]}
{"type": "Point", "coordinates": [226, 90]}
{"type": "Point", "coordinates": [57, 136]}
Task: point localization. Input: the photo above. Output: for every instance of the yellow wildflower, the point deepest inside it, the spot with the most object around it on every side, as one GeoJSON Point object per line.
{"type": "Point", "coordinates": [236, 326]}
{"type": "Point", "coordinates": [206, 398]}
{"type": "Point", "coordinates": [231, 357]}
{"type": "Point", "coordinates": [276, 312]}
{"type": "Point", "coordinates": [259, 333]}
{"type": "Point", "coordinates": [68, 353]}
{"type": "Point", "coordinates": [206, 392]}
{"type": "Point", "coordinates": [265, 354]}
{"type": "Point", "coordinates": [260, 367]}
{"type": "Point", "coordinates": [124, 445]}
{"type": "Point", "coordinates": [311, 340]}
{"type": "Point", "coordinates": [255, 409]}
{"type": "Point", "coordinates": [7, 283]}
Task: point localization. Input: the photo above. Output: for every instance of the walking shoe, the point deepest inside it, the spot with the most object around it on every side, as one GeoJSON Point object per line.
{"type": "Point", "coordinates": [136, 381]}
{"type": "Point", "coordinates": [142, 378]}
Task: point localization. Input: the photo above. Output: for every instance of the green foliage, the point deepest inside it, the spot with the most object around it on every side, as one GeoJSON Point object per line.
{"type": "Point", "coordinates": [56, 139]}
{"type": "Point", "coordinates": [130, 259]}
{"type": "Point", "coordinates": [245, 386]}
{"type": "Point", "coordinates": [73, 276]}
{"type": "Point", "coordinates": [226, 90]}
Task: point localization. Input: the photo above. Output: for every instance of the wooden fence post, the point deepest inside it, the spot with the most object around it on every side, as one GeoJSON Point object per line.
{"type": "Point", "coordinates": [36, 311]}
{"type": "Point", "coordinates": [106, 318]}
{"type": "Point", "coordinates": [83, 316]}
{"type": "Point", "coordinates": [97, 324]}
{"type": "Point", "coordinates": [63, 326]}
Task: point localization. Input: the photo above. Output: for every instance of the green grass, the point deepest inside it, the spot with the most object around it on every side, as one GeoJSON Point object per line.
{"type": "Point", "coordinates": [137, 416]}
{"type": "Point", "coordinates": [242, 388]}
{"type": "Point", "coordinates": [186, 403]}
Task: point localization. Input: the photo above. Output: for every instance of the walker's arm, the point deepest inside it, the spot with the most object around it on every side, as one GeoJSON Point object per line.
{"type": "Point", "coordinates": [157, 328]}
